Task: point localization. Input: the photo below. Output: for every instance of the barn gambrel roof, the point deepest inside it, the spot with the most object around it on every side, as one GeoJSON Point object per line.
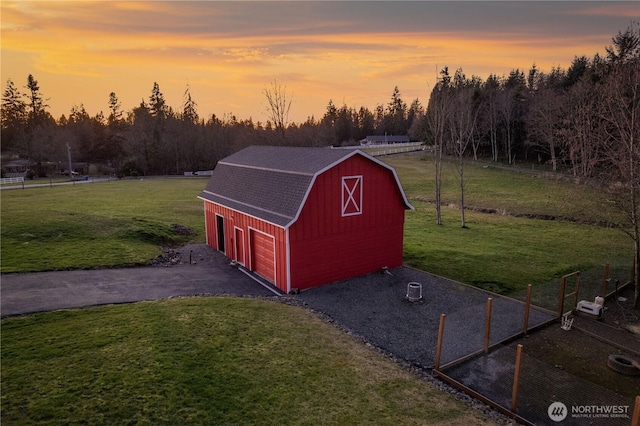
{"type": "Point", "coordinates": [272, 183]}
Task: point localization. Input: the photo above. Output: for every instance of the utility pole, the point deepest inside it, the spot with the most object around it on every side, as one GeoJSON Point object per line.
{"type": "Point", "coordinates": [69, 157]}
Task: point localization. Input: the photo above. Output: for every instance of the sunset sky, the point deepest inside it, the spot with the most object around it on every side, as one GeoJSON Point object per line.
{"type": "Point", "coordinates": [228, 52]}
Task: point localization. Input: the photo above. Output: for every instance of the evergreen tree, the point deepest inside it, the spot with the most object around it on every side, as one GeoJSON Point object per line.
{"type": "Point", "coordinates": [14, 116]}
{"type": "Point", "coordinates": [396, 114]}
{"type": "Point", "coordinates": [416, 110]}
{"type": "Point", "coordinates": [366, 123]}
{"type": "Point", "coordinates": [330, 115]}
{"type": "Point", "coordinates": [114, 106]}
{"type": "Point", "coordinates": [36, 101]}
{"type": "Point", "coordinates": [189, 111]}
{"type": "Point", "coordinates": [157, 104]}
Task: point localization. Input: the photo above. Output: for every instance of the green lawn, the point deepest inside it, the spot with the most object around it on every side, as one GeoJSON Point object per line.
{"type": "Point", "coordinates": [125, 222]}
{"type": "Point", "coordinates": [503, 253]}
{"type": "Point", "coordinates": [206, 361]}
{"type": "Point", "coordinates": [122, 222]}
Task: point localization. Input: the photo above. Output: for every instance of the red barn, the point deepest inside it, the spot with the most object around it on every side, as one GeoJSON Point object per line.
{"type": "Point", "coordinates": [303, 217]}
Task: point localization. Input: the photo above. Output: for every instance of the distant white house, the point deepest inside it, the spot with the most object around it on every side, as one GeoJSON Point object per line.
{"type": "Point", "coordinates": [384, 140]}
{"type": "Point", "coordinates": [20, 167]}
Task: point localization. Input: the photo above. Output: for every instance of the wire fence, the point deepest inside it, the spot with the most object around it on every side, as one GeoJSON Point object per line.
{"type": "Point", "coordinates": [593, 282]}
{"type": "Point", "coordinates": [532, 389]}
{"type": "Point", "coordinates": [543, 392]}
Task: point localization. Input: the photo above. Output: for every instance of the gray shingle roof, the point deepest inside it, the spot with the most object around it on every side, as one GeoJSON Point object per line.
{"type": "Point", "coordinates": [270, 182]}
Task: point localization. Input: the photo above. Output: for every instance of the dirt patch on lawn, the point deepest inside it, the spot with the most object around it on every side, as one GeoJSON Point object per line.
{"type": "Point", "coordinates": [194, 254]}
{"type": "Point", "coordinates": [584, 350]}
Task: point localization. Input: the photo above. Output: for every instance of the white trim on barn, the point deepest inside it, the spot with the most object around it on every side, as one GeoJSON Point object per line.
{"type": "Point", "coordinates": [247, 214]}
{"type": "Point", "coordinates": [206, 228]}
{"type": "Point", "coordinates": [352, 187]}
{"type": "Point", "coordinates": [235, 246]}
{"type": "Point", "coordinates": [217, 232]}
{"type": "Point", "coordinates": [288, 258]}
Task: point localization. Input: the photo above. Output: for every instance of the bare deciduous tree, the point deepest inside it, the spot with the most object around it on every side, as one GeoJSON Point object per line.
{"type": "Point", "coordinates": [491, 91]}
{"type": "Point", "coordinates": [579, 134]}
{"type": "Point", "coordinates": [278, 105]}
{"type": "Point", "coordinates": [436, 119]}
{"type": "Point", "coordinates": [509, 109]}
{"type": "Point", "coordinates": [621, 113]}
{"type": "Point", "coordinates": [461, 122]}
{"type": "Point", "coordinates": [545, 117]}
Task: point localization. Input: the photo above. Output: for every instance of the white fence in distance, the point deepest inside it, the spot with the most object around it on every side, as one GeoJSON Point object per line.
{"type": "Point", "coordinates": [10, 180]}
{"type": "Point", "coordinates": [376, 150]}
{"type": "Point", "coordinates": [199, 173]}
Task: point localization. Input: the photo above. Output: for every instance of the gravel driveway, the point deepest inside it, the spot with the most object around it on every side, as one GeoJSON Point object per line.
{"type": "Point", "coordinates": [375, 307]}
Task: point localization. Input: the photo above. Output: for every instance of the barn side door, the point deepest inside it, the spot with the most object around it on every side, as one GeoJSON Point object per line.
{"type": "Point", "coordinates": [220, 232]}
{"type": "Point", "coordinates": [239, 246]}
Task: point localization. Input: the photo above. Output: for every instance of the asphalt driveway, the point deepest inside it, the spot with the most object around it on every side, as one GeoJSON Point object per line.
{"type": "Point", "coordinates": [48, 291]}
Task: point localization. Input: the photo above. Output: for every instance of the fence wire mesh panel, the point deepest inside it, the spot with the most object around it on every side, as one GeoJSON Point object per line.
{"type": "Point", "coordinates": [465, 328]}
{"type": "Point", "coordinates": [545, 295]}
{"type": "Point", "coordinates": [546, 393]}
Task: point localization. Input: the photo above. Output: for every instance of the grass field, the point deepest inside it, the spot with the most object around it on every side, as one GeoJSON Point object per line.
{"type": "Point", "coordinates": [126, 222]}
{"type": "Point", "coordinates": [238, 361]}
{"type": "Point", "coordinates": [503, 253]}
{"type": "Point", "coordinates": [206, 361]}
{"type": "Point", "coordinates": [91, 225]}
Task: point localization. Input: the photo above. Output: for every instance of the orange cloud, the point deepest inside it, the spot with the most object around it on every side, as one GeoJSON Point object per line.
{"type": "Point", "coordinates": [228, 52]}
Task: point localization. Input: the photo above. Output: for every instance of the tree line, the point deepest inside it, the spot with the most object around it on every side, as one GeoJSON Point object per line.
{"type": "Point", "coordinates": [530, 115]}
{"type": "Point", "coordinates": [153, 138]}
{"type": "Point", "coordinates": [585, 120]}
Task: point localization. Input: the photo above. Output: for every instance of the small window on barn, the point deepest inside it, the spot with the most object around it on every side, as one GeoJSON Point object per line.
{"type": "Point", "coordinates": [351, 195]}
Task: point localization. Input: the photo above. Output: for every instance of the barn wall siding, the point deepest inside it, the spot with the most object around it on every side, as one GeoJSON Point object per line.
{"type": "Point", "coordinates": [236, 220]}
{"type": "Point", "coordinates": [326, 246]}
{"type": "Point", "coordinates": [325, 260]}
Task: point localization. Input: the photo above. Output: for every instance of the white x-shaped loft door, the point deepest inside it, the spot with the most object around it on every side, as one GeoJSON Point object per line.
{"type": "Point", "coordinates": [351, 195]}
